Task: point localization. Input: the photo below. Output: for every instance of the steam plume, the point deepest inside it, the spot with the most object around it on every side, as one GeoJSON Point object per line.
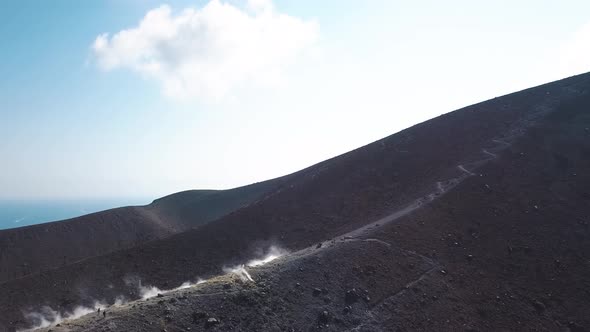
{"type": "Point", "coordinates": [273, 253]}
{"type": "Point", "coordinates": [47, 316]}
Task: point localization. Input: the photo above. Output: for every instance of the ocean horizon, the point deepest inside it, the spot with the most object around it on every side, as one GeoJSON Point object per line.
{"type": "Point", "coordinates": [20, 213]}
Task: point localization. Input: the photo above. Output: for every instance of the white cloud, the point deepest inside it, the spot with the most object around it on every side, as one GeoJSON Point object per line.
{"type": "Point", "coordinates": [260, 5]}
{"type": "Point", "coordinates": [210, 51]}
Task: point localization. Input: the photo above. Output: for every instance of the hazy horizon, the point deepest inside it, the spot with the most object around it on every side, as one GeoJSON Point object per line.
{"type": "Point", "coordinates": [144, 98]}
{"type": "Point", "coordinates": [20, 213]}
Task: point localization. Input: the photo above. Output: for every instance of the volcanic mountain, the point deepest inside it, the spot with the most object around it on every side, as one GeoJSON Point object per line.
{"type": "Point", "coordinates": [477, 220]}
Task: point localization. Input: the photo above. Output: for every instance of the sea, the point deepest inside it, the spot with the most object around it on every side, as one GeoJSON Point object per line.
{"type": "Point", "coordinates": [19, 213]}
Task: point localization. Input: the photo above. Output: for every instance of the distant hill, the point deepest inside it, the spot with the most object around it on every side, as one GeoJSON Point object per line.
{"type": "Point", "coordinates": [33, 249]}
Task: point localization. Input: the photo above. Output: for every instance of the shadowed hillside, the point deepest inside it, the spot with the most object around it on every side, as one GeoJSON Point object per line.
{"type": "Point", "coordinates": [475, 220]}
{"type": "Point", "coordinates": [32, 249]}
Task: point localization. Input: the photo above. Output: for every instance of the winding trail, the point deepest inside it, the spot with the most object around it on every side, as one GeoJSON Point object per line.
{"type": "Point", "coordinates": [439, 187]}
{"type": "Point", "coordinates": [506, 144]}
{"type": "Point", "coordinates": [493, 155]}
{"type": "Point", "coordinates": [463, 169]}
{"type": "Point", "coordinates": [502, 143]}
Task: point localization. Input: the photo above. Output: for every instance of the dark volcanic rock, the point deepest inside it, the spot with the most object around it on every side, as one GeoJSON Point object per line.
{"type": "Point", "coordinates": [316, 292]}
{"type": "Point", "coordinates": [351, 296]}
{"type": "Point", "coordinates": [212, 322]}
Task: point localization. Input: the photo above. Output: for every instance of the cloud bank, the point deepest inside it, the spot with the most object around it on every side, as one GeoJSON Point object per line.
{"type": "Point", "coordinates": [208, 52]}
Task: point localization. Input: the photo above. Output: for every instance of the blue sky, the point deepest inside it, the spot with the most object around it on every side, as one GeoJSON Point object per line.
{"type": "Point", "coordinates": [226, 102]}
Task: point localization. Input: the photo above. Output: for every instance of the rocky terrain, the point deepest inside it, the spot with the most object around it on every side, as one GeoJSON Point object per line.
{"type": "Point", "coordinates": [477, 220]}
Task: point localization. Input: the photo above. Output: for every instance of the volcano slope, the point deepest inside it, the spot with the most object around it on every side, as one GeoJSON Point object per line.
{"type": "Point", "coordinates": [475, 220]}
{"type": "Point", "coordinates": [33, 249]}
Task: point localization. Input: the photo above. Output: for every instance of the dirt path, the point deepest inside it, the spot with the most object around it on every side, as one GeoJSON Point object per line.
{"type": "Point", "coordinates": [440, 188]}
{"type": "Point", "coordinates": [463, 169]}
{"type": "Point", "coordinates": [375, 313]}
{"type": "Point", "coordinates": [493, 155]}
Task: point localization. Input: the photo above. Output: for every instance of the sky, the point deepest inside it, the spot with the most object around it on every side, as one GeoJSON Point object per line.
{"type": "Point", "coordinates": [141, 98]}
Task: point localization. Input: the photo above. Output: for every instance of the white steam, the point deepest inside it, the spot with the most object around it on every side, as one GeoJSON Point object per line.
{"type": "Point", "coordinates": [148, 292]}
{"type": "Point", "coordinates": [240, 271]}
{"type": "Point", "coordinates": [273, 253]}
{"type": "Point", "coordinates": [187, 284]}
{"type": "Point", "coordinates": [48, 317]}
{"type": "Point", "coordinates": [119, 300]}
{"type": "Point", "coordinates": [151, 291]}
